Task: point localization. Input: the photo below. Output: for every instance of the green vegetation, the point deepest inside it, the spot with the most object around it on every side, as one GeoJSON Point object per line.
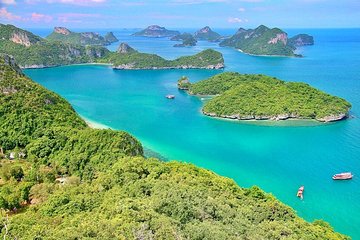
{"type": "Point", "coordinates": [184, 83]}
{"type": "Point", "coordinates": [186, 38]}
{"type": "Point", "coordinates": [301, 40]}
{"type": "Point", "coordinates": [156, 31]}
{"type": "Point", "coordinates": [86, 38]}
{"type": "Point", "coordinates": [209, 59]}
{"type": "Point", "coordinates": [262, 97]}
{"type": "Point", "coordinates": [82, 183]}
{"type": "Point", "coordinates": [46, 53]}
{"type": "Point", "coordinates": [207, 34]}
{"type": "Point", "coordinates": [261, 41]}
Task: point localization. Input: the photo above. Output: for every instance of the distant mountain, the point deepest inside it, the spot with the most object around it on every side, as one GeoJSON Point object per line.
{"type": "Point", "coordinates": [85, 38]}
{"type": "Point", "coordinates": [124, 48]}
{"type": "Point", "coordinates": [262, 41]}
{"type": "Point", "coordinates": [207, 34]}
{"type": "Point", "coordinates": [110, 37]}
{"type": "Point", "coordinates": [301, 40]}
{"type": "Point", "coordinates": [187, 40]}
{"type": "Point", "coordinates": [156, 31]}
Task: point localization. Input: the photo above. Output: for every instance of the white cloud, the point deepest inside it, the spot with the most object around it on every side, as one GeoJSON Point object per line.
{"type": "Point", "coordinates": [4, 14]}
{"type": "Point", "coordinates": [241, 9]}
{"type": "Point", "coordinates": [73, 2]}
{"type": "Point", "coordinates": [236, 20]}
{"type": "Point", "coordinates": [8, 2]}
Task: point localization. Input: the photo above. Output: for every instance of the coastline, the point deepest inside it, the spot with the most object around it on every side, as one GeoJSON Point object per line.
{"type": "Point", "coordinates": [93, 124]}
{"type": "Point", "coordinates": [54, 66]}
{"type": "Point", "coordinates": [262, 55]}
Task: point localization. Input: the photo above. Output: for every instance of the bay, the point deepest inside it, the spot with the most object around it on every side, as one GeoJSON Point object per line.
{"type": "Point", "coordinates": [278, 157]}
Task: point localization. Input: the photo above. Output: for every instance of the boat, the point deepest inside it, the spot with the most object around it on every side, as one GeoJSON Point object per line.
{"type": "Point", "coordinates": [342, 176]}
{"type": "Point", "coordinates": [300, 192]}
{"type": "Point", "coordinates": [170, 96]}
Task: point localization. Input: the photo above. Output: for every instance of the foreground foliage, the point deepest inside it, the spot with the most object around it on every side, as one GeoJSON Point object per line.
{"type": "Point", "coordinates": [81, 183]}
{"type": "Point", "coordinates": [258, 96]}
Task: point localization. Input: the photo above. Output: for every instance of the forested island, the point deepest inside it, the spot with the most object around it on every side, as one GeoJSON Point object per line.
{"type": "Point", "coordinates": [156, 31]}
{"type": "Point", "coordinates": [63, 180]}
{"type": "Point", "coordinates": [32, 51]}
{"type": "Point", "coordinates": [267, 41]}
{"type": "Point", "coordinates": [260, 97]}
{"type": "Point", "coordinates": [63, 34]}
{"type": "Point", "coordinates": [187, 40]}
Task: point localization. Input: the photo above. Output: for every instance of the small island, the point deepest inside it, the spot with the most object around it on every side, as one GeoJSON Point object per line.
{"type": "Point", "coordinates": [264, 41]}
{"type": "Point", "coordinates": [156, 31]}
{"type": "Point", "coordinates": [187, 40]}
{"type": "Point", "coordinates": [206, 34]}
{"type": "Point", "coordinates": [85, 38]}
{"type": "Point", "coordinates": [260, 97]}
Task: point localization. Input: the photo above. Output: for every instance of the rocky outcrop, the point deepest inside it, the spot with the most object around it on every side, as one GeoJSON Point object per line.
{"type": "Point", "coordinates": [132, 66]}
{"type": "Point", "coordinates": [21, 38]}
{"type": "Point", "coordinates": [282, 37]}
{"type": "Point", "coordinates": [333, 118]}
{"type": "Point", "coordinates": [124, 48]}
{"type": "Point", "coordinates": [62, 30]}
{"type": "Point", "coordinates": [280, 117]}
{"type": "Point", "coordinates": [110, 38]}
{"type": "Point", "coordinates": [10, 61]}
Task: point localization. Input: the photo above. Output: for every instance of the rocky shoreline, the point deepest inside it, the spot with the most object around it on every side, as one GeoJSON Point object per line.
{"type": "Point", "coordinates": [280, 117]}
{"type": "Point", "coordinates": [132, 67]}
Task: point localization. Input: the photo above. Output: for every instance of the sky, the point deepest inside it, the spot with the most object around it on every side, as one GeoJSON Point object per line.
{"type": "Point", "coordinates": [94, 14]}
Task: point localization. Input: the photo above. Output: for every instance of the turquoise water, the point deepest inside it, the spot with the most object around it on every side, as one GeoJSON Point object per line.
{"type": "Point", "coordinates": [277, 157]}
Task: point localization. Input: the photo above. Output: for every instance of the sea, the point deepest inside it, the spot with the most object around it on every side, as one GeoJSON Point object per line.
{"type": "Point", "coordinates": [279, 157]}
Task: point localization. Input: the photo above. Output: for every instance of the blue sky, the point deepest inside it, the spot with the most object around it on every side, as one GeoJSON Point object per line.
{"type": "Point", "coordinates": [181, 13]}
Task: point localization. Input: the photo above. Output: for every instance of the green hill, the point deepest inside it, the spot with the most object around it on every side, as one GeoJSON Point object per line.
{"type": "Point", "coordinates": [187, 40]}
{"type": "Point", "coordinates": [128, 58]}
{"type": "Point", "coordinates": [247, 97]}
{"type": "Point", "coordinates": [206, 34]}
{"type": "Point", "coordinates": [261, 41]}
{"type": "Point", "coordinates": [85, 38]}
{"type": "Point", "coordinates": [80, 183]}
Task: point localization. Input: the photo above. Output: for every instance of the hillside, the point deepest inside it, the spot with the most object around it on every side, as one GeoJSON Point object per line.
{"type": "Point", "coordinates": [156, 31]}
{"type": "Point", "coordinates": [247, 97]}
{"type": "Point", "coordinates": [261, 41]}
{"type": "Point", "coordinates": [206, 34]}
{"type": "Point", "coordinates": [34, 52]}
{"type": "Point", "coordinates": [79, 183]}
{"type": "Point", "coordinates": [187, 40]}
{"type": "Point", "coordinates": [128, 58]}
{"type": "Point", "coordinates": [85, 38]}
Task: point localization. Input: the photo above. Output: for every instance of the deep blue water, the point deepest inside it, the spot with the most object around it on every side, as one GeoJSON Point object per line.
{"type": "Point", "coordinates": [277, 157]}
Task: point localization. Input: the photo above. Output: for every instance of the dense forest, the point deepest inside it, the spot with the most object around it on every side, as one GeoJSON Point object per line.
{"type": "Point", "coordinates": [249, 96]}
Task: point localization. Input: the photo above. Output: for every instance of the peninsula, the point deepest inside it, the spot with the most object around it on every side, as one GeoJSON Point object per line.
{"type": "Point", "coordinates": [267, 42]}
{"type": "Point", "coordinates": [128, 58]}
{"type": "Point", "coordinates": [85, 38]}
{"type": "Point", "coordinates": [68, 181]}
{"type": "Point", "coordinates": [260, 97]}
{"type": "Point", "coordinates": [31, 51]}
{"type": "Point", "coordinates": [156, 32]}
